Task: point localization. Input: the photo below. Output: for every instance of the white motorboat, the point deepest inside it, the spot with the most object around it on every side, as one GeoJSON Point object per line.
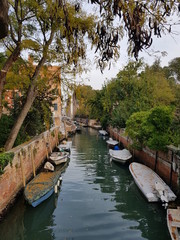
{"type": "Point", "coordinates": [151, 185]}
{"type": "Point", "coordinates": [120, 156]}
{"type": "Point", "coordinates": [65, 146]}
{"type": "Point", "coordinates": [173, 222]}
{"type": "Point", "coordinates": [59, 157]}
{"type": "Point", "coordinates": [112, 142]}
{"type": "Point", "coordinates": [103, 133]}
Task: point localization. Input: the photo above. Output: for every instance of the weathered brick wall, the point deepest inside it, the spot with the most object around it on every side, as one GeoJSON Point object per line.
{"type": "Point", "coordinates": [25, 155]}
{"type": "Point", "coordinates": [165, 168]}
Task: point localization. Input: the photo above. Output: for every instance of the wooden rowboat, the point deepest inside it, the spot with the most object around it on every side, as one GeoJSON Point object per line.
{"type": "Point", "coordinates": [151, 185]}
{"type": "Point", "coordinates": [173, 222]}
{"type": "Point", "coordinates": [41, 187]}
{"type": "Point", "coordinates": [65, 146]}
{"type": "Point", "coordinates": [59, 157]}
{"type": "Point", "coordinates": [120, 156]}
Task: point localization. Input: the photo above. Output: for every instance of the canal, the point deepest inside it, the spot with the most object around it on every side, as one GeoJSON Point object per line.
{"type": "Point", "coordinates": [98, 199]}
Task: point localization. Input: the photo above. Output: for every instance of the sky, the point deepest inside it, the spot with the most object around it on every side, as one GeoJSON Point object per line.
{"type": "Point", "coordinates": [169, 43]}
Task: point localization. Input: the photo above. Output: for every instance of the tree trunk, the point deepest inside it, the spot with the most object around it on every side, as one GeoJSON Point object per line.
{"type": "Point", "coordinates": [31, 95]}
{"type": "Point", "coordinates": [3, 18]}
{"type": "Point", "coordinates": [7, 65]}
{"type": "Point", "coordinates": [15, 130]}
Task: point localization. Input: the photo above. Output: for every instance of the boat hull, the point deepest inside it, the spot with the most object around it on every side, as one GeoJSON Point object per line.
{"type": "Point", "coordinates": [58, 158]}
{"type": "Point", "coordinates": [41, 187]}
{"type": "Point", "coordinates": [146, 179]}
{"type": "Point", "coordinates": [112, 143]}
{"type": "Point", "coordinates": [43, 198]}
{"type": "Point", "coordinates": [120, 156]}
{"type": "Point", "coordinates": [103, 133]}
{"type": "Point", "coordinates": [173, 222]}
{"type": "Point", "coordinates": [59, 161]}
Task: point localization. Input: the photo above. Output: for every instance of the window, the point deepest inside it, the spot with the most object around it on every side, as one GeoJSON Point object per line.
{"type": "Point", "coordinates": [55, 107]}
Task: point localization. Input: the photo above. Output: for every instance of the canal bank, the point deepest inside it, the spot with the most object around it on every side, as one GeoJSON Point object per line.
{"type": "Point", "coordinates": [98, 199]}
{"type": "Point", "coordinates": [28, 158]}
{"type": "Point", "coordinates": [165, 164]}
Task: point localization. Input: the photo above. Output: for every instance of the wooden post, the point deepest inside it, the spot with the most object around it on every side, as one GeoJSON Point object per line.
{"type": "Point", "coordinates": [46, 145]}
{"type": "Point", "coordinates": [57, 140]}
{"type": "Point", "coordinates": [22, 169]}
{"type": "Point", "coordinates": [172, 158]}
{"type": "Point", "coordinates": [49, 141]}
{"type": "Point", "coordinates": [32, 160]}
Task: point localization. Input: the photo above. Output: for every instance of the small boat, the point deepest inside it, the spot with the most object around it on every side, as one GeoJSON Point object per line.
{"type": "Point", "coordinates": [120, 156]}
{"type": "Point", "coordinates": [103, 133]}
{"type": "Point", "coordinates": [151, 185]}
{"type": "Point", "coordinates": [112, 142]}
{"type": "Point", "coordinates": [173, 222]}
{"type": "Point", "coordinates": [78, 129]}
{"type": "Point", "coordinates": [48, 166]}
{"type": "Point", "coordinates": [41, 187]}
{"type": "Point", "coordinates": [65, 146]}
{"type": "Point", "coordinates": [59, 157]}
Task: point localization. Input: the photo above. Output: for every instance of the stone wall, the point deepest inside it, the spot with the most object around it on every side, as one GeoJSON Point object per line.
{"type": "Point", "coordinates": [166, 164]}
{"type": "Point", "coordinates": [28, 157]}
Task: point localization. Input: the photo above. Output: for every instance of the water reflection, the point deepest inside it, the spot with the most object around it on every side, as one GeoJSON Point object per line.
{"type": "Point", "coordinates": [25, 222]}
{"type": "Point", "coordinates": [116, 180]}
{"type": "Point", "coordinates": [98, 200]}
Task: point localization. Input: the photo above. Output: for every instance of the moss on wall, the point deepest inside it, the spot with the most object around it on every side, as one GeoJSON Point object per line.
{"type": "Point", "coordinates": [5, 158]}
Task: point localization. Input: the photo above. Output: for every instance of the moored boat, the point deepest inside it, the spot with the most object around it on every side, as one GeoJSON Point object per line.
{"type": "Point", "coordinates": [41, 187]}
{"type": "Point", "coordinates": [120, 156]}
{"type": "Point", "coordinates": [103, 133]}
{"type": "Point", "coordinates": [65, 146]}
{"type": "Point", "coordinates": [173, 222]}
{"type": "Point", "coordinates": [151, 185]}
{"type": "Point", "coordinates": [112, 142]}
{"type": "Point", "coordinates": [59, 157]}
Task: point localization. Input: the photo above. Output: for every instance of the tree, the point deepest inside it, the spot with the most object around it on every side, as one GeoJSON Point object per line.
{"type": "Point", "coordinates": [151, 128]}
{"type": "Point", "coordinates": [84, 94]}
{"type": "Point", "coordinates": [20, 28]}
{"type": "Point", "coordinates": [61, 28]}
{"type": "Point", "coordinates": [142, 20]}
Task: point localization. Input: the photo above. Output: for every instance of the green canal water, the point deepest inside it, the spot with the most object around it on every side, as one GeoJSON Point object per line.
{"type": "Point", "coordinates": [98, 200]}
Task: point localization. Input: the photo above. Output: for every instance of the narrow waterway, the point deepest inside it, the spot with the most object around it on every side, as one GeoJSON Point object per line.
{"type": "Point", "coordinates": [98, 200]}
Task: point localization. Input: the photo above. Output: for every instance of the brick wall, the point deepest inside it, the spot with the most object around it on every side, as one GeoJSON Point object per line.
{"type": "Point", "coordinates": [28, 156]}
{"type": "Point", "coordinates": [161, 162]}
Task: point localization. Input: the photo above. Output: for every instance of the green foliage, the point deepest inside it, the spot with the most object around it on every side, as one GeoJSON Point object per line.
{"type": "Point", "coordinates": [151, 128]}
{"type": "Point", "coordinates": [135, 127]}
{"type": "Point", "coordinates": [38, 119]}
{"type": "Point", "coordinates": [5, 158]}
{"type": "Point", "coordinates": [6, 123]}
{"type": "Point", "coordinates": [84, 94]}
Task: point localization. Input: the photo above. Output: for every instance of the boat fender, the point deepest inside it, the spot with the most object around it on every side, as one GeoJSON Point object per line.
{"type": "Point", "coordinates": [150, 196]}
{"type": "Point", "coordinates": [164, 199]}
{"type": "Point", "coordinates": [55, 188]}
{"type": "Point", "coordinates": [165, 205]}
{"type": "Point", "coordinates": [58, 182]}
{"type": "Point", "coordinates": [60, 179]}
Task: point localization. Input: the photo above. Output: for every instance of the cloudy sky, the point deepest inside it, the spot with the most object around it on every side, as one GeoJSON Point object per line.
{"type": "Point", "coordinates": [169, 43]}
